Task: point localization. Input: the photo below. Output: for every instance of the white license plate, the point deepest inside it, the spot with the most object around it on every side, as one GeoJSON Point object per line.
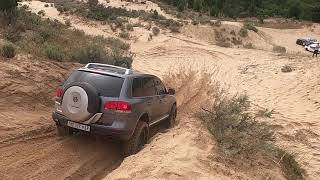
{"type": "Point", "coordinates": [82, 127]}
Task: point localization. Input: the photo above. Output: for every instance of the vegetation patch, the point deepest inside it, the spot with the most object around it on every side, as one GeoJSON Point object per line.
{"type": "Point", "coordinates": [303, 9]}
{"type": "Point", "coordinates": [279, 49]}
{"type": "Point", "coordinates": [155, 31]}
{"type": "Point", "coordinates": [52, 39]}
{"type": "Point", "coordinates": [67, 23]}
{"type": "Point", "coordinates": [8, 51]}
{"type": "Point", "coordinates": [221, 40]}
{"type": "Point", "coordinates": [54, 53]}
{"type": "Point", "coordinates": [286, 69]}
{"type": "Point", "coordinates": [243, 32]}
{"type": "Point", "coordinates": [289, 165]}
{"type": "Point", "coordinates": [124, 35]}
{"type": "Point", "coordinates": [248, 46]}
{"type": "Point", "coordinates": [239, 135]}
{"type": "Point", "coordinates": [94, 10]}
{"type": "Point", "coordinates": [265, 113]}
{"type": "Point", "coordinates": [236, 41]}
{"type": "Point", "coordinates": [250, 26]}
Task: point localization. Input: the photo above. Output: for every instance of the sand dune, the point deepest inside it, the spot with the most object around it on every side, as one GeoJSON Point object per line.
{"type": "Point", "coordinates": [30, 149]}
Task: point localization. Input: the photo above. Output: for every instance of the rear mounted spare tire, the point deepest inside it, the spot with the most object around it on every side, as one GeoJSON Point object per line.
{"type": "Point", "coordinates": [80, 102]}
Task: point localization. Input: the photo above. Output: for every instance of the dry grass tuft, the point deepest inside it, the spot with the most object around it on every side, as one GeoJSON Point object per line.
{"type": "Point", "coordinates": [279, 49]}
{"type": "Point", "coordinates": [286, 69]}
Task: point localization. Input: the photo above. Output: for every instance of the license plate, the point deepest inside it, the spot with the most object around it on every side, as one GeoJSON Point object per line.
{"type": "Point", "coordinates": [82, 127]}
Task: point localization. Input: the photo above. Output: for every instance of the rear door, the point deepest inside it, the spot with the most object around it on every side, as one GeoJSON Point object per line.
{"type": "Point", "coordinates": [143, 88]}
{"type": "Point", "coordinates": [163, 99]}
{"type": "Point", "coordinates": [149, 93]}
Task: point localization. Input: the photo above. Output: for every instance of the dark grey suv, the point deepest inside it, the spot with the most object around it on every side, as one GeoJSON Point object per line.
{"type": "Point", "coordinates": [113, 101]}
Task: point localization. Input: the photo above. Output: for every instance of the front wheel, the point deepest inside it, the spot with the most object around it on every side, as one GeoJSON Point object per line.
{"type": "Point", "coordinates": [170, 122]}
{"type": "Point", "coordinates": [138, 140]}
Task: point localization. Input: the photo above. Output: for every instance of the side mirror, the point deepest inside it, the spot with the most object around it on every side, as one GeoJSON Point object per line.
{"type": "Point", "coordinates": [171, 91]}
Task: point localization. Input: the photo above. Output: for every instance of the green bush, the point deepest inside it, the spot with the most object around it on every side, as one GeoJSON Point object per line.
{"type": "Point", "coordinates": [286, 69]}
{"type": "Point", "coordinates": [93, 3]}
{"type": "Point", "coordinates": [221, 40]}
{"type": "Point", "coordinates": [129, 27]}
{"type": "Point", "coordinates": [97, 53]}
{"type": "Point", "coordinates": [248, 46]}
{"type": "Point", "coordinates": [8, 51]}
{"type": "Point", "coordinates": [124, 35]}
{"type": "Point", "coordinates": [279, 49]}
{"type": "Point", "coordinates": [7, 4]}
{"type": "Point", "coordinates": [174, 29]}
{"type": "Point", "coordinates": [217, 23]}
{"type": "Point", "coordinates": [250, 27]}
{"type": "Point", "coordinates": [243, 32]}
{"type": "Point", "coordinates": [54, 53]}
{"type": "Point", "coordinates": [121, 58]}
{"type": "Point", "coordinates": [42, 13]}
{"type": "Point", "coordinates": [116, 43]}
{"type": "Point", "coordinates": [239, 135]}
{"type": "Point", "coordinates": [68, 23]}
{"type": "Point", "coordinates": [236, 41]}
{"type": "Point", "coordinates": [195, 22]}
{"type": "Point", "coordinates": [155, 31]}
{"type": "Point", "coordinates": [91, 53]}
{"type": "Point", "coordinates": [236, 131]}
{"type": "Point", "coordinates": [291, 168]}
{"type": "Point", "coordinates": [182, 5]}
{"type": "Point", "coordinates": [51, 39]}
{"type": "Point", "coordinates": [265, 113]}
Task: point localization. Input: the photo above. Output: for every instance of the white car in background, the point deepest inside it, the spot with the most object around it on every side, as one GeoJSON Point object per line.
{"type": "Point", "coordinates": [312, 46]}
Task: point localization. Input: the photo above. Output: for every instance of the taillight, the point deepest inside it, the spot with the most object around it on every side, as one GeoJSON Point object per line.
{"type": "Point", "coordinates": [117, 106]}
{"type": "Point", "coordinates": [59, 92]}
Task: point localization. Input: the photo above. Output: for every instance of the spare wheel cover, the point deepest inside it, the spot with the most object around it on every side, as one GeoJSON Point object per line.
{"type": "Point", "coordinates": [75, 104]}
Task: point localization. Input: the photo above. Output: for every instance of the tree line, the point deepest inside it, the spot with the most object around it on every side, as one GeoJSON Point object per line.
{"type": "Point", "coordinates": [299, 9]}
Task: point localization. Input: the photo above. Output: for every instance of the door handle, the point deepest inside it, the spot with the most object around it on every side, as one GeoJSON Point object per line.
{"type": "Point", "coordinates": [149, 102]}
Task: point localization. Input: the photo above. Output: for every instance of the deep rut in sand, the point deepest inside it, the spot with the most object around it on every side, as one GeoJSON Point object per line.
{"type": "Point", "coordinates": [48, 156]}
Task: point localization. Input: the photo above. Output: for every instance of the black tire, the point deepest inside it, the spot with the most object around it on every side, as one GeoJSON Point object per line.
{"type": "Point", "coordinates": [138, 140]}
{"type": "Point", "coordinates": [171, 121]}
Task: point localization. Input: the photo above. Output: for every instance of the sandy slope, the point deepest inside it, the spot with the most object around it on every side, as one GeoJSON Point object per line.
{"type": "Point", "coordinates": [30, 149]}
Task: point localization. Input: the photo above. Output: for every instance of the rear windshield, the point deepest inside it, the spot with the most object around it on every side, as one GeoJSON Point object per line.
{"type": "Point", "coordinates": [109, 86]}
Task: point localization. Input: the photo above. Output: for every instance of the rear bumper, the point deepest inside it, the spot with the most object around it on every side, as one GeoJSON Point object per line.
{"type": "Point", "coordinates": [97, 129]}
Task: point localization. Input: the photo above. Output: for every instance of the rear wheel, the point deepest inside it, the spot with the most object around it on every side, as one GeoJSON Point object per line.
{"type": "Point", "coordinates": [170, 122]}
{"type": "Point", "coordinates": [138, 140]}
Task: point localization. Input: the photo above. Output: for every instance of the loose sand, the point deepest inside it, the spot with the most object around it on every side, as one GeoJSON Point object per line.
{"type": "Point", "coordinates": [30, 148]}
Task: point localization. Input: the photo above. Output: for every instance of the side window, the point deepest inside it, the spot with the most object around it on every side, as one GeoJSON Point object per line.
{"type": "Point", "coordinates": [161, 89]}
{"type": "Point", "coordinates": [148, 87]}
{"type": "Point", "coordinates": [137, 88]}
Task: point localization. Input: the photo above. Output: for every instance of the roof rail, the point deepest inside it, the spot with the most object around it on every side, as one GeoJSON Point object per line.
{"type": "Point", "coordinates": [97, 65]}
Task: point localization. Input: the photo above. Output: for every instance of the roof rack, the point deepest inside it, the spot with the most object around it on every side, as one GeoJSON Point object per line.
{"type": "Point", "coordinates": [107, 67]}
